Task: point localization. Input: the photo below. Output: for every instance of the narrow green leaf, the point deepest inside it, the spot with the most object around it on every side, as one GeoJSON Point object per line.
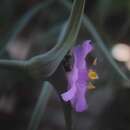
{"type": "Point", "coordinates": [40, 106]}
{"type": "Point", "coordinates": [12, 64]}
{"type": "Point", "coordinates": [45, 64]}
{"type": "Point", "coordinates": [50, 61]}
{"type": "Point", "coordinates": [89, 26]}
{"type": "Point", "coordinates": [16, 64]}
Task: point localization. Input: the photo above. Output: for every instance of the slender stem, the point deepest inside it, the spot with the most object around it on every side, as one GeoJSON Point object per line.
{"type": "Point", "coordinates": [12, 64]}
{"type": "Point", "coordinates": [68, 115]}
{"type": "Point", "coordinates": [40, 107]}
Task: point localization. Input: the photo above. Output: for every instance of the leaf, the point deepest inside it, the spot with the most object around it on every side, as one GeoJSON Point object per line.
{"type": "Point", "coordinates": [89, 26]}
{"type": "Point", "coordinates": [40, 106]}
{"type": "Point", "coordinates": [44, 65]}
{"type": "Point", "coordinates": [14, 64]}
{"type": "Point", "coordinates": [49, 61]}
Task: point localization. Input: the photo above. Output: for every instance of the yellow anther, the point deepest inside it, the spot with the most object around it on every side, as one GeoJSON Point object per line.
{"type": "Point", "coordinates": [92, 75]}
{"type": "Point", "coordinates": [91, 86]}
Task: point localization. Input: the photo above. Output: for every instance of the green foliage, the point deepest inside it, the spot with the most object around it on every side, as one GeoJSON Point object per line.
{"type": "Point", "coordinates": [45, 66]}
{"type": "Point", "coordinates": [51, 60]}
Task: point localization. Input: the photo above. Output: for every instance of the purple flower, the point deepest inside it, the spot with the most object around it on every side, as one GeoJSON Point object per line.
{"type": "Point", "coordinates": [78, 78]}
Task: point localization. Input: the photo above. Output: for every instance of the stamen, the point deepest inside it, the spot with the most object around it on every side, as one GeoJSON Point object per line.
{"type": "Point", "coordinates": [92, 75]}
{"type": "Point", "coordinates": [91, 86]}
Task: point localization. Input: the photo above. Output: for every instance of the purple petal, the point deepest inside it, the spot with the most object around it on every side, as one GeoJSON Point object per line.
{"type": "Point", "coordinates": [77, 78]}
{"type": "Point", "coordinates": [79, 101]}
{"type": "Point", "coordinates": [81, 104]}
{"type": "Point", "coordinates": [72, 78]}
{"type": "Point", "coordinates": [69, 94]}
{"type": "Point", "coordinates": [86, 48]}
{"type": "Point", "coordinates": [81, 51]}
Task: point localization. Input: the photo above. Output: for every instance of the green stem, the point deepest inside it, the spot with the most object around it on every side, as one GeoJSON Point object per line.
{"type": "Point", "coordinates": [12, 64]}
{"type": "Point", "coordinates": [40, 107]}
{"type": "Point", "coordinates": [68, 115]}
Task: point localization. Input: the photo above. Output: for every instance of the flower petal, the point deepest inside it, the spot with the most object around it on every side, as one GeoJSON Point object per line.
{"type": "Point", "coordinates": [78, 78]}
{"type": "Point", "coordinates": [86, 48]}
{"type": "Point", "coordinates": [72, 78]}
{"type": "Point", "coordinates": [69, 94]}
{"type": "Point", "coordinates": [81, 104]}
{"type": "Point", "coordinates": [79, 101]}
{"type": "Point", "coordinates": [80, 52]}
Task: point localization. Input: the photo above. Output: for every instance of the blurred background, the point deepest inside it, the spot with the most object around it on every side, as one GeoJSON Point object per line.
{"type": "Point", "coordinates": [31, 27]}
